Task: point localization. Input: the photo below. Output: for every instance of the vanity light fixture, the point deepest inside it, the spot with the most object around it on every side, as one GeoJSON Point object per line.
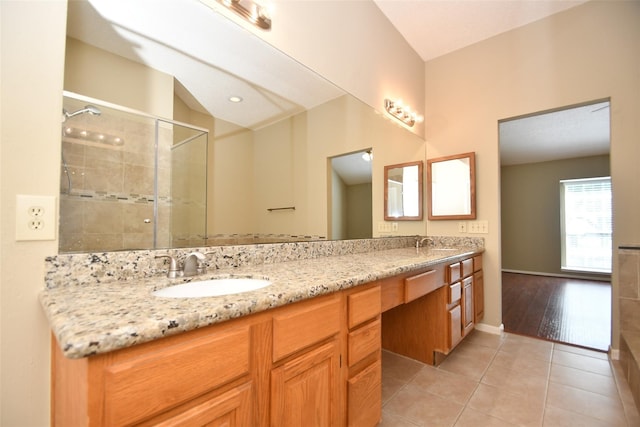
{"type": "Point", "coordinates": [402, 112]}
{"type": "Point", "coordinates": [250, 10]}
{"type": "Point", "coordinates": [367, 156]}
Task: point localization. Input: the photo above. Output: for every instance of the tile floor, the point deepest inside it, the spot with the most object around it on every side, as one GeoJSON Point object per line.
{"type": "Point", "coordinates": [507, 380]}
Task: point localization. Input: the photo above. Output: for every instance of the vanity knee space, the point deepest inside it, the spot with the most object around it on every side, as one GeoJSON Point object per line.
{"type": "Point", "coordinates": [427, 325]}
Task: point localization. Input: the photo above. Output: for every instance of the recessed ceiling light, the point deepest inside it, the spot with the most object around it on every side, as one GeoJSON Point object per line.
{"type": "Point", "coordinates": [235, 98]}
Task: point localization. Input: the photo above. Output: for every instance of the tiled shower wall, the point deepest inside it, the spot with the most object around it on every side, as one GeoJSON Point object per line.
{"type": "Point", "coordinates": [629, 268]}
{"type": "Point", "coordinates": [110, 201]}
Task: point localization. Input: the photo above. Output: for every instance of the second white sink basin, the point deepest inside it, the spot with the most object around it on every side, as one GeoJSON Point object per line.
{"type": "Point", "coordinates": [212, 288]}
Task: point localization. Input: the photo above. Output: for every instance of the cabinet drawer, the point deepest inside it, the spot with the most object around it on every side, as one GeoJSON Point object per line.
{"type": "Point", "coordinates": [363, 306]}
{"type": "Point", "coordinates": [477, 263]}
{"type": "Point", "coordinates": [140, 387]}
{"type": "Point", "coordinates": [467, 267]}
{"type": "Point", "coordinates": [455, 292]}
{"type": "Point", "coordinates": [392, 290]}
{"type": "Point", "coordinates": [454, 272]}
{"type": "Point", "coordinates": [300, 327]}
{"type": "Point", "coordinates": [421, 284]}
{"type": "Point", "coordinates": [364, 396]}
{"type": "Point", "coordinates": [364, 341]}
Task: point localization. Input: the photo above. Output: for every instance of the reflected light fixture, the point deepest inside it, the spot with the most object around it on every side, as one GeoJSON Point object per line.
{"type": "Point", "coordinates": [402, 112]}
{"type": "Point", "coordinates": [100, 137]}
{"type": "Point", "coordinates": [250, 10]}
{"type": "Point", "coordinates": [367, 156]}
{"type": "Point", "coordinates": [235, 98]}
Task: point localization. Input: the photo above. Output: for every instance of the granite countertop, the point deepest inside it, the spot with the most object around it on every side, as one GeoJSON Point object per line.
{"type": "Point", "coordinates": [95, 318]}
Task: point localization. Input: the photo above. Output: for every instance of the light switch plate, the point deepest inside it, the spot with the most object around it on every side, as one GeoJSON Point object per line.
{"type": "Point", "coordinates": [479, 227]}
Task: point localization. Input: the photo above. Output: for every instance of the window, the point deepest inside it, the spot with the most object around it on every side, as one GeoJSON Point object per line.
{"type": "Point", "coordinates": [586, 224]}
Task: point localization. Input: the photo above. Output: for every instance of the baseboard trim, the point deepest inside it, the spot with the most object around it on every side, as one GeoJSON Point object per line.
{"type": "Point", "coordinates": [600, 278]}
{"type": "Point", "coordinates": [496, 330]}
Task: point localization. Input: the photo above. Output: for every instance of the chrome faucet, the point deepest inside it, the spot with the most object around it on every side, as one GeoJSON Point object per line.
{"type": "Point", "coordinates": [192, 266]}
{"type": "Point", "coordinates": [419, 241]}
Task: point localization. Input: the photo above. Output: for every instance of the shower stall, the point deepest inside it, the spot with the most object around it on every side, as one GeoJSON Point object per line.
{"type": "Point", "coordinates": [129, 180]}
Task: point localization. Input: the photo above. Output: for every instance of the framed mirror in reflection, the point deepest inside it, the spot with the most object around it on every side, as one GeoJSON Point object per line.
{"type": "Point", "coordinates": [451, 182]}
{"type": "Point", "coordinates": [403, 192]}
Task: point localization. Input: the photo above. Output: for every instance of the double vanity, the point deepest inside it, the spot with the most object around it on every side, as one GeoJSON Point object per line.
{"type": "Point", "coordinates": [304, 349]}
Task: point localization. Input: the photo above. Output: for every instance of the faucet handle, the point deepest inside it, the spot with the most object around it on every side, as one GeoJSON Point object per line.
{"type": "Point", "coordinates": [174, 271]}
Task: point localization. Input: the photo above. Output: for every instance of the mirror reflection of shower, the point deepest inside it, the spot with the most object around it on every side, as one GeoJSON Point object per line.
{"type": "Point", "coordinates": [90, 109]}
{"type": "Point", "coordinates": [84, 134]}
{"type": "Point", "coordinates": [128, 179]}
{"type": "Point", "coordinates": [79, 131]}
{"type": "Point", "coordinates": [67, 131]}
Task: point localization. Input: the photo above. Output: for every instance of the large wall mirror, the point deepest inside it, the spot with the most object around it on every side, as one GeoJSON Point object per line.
{"type": "Point", "coordinates": [267, 152]}
{"type": "Point", "coordinates": [451, 182]}
{"type": "Point", "coordinates": [403, 192]}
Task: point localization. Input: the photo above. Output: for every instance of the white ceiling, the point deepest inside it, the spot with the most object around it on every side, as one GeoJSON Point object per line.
{"type": "Point", "coordinates": [352, 168]}
{"type": "Point", "coordinates": [437, 27]}
{"type": "Point", "coordinates": [574, 132]}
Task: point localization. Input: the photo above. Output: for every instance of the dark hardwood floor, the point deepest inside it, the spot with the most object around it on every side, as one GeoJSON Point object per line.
{"type": "Point", "coordinates": [571, 311]}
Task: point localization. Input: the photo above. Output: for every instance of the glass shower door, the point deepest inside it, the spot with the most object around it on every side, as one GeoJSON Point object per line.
{"type": "Point", "coordinates": [183, 222]}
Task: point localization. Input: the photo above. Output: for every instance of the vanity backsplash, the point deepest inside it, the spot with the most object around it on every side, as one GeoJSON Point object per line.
{"type": "Point", "coordinates": [82, 268]}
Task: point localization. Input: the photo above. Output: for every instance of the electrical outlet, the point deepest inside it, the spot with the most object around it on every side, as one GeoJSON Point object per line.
{"type": "Point", "coordinates": [394, 226]}
{"type": "Point", "coordinates": [462, 227]}
{"type": "Point", "coordinates": [35, 211]}
{"type": "Point", "coordinates": [36, 224]}
{"type": "Point", "coordinates": [35, 217]}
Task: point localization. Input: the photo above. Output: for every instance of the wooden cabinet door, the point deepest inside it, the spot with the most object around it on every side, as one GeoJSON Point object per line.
{"type": "Point", "coordinates": [478, 295]}
{"type": "Point", "coordinates": [467, 305]}
{"type": "Point", "coordinates": [305, 390]}
{"type": "Point", "coordinates": [231, 409]}
{"type": "Point", "coordinates": [364, 397]}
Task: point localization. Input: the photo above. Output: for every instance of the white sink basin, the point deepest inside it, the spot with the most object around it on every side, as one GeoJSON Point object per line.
{"type": "Point", "coordinates": [212, 288]}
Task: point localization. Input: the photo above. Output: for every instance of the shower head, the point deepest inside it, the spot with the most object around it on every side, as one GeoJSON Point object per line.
{"type": "Point", "coordinates": [90, 109]}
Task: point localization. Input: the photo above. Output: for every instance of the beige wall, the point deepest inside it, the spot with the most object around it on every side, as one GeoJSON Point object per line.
{"type": "Point", "coordinates": [586, 53]}
{"type": "Point", "coordinates": [530, 208]}
{"type": "Point", "coordinates": [359, 211]}
{"type": "Point", "coordinates": [338, 207]}
{"type": "Point", "coordinates": [93, 72]}
{"type": "Point", "coordinates": [32, 37]}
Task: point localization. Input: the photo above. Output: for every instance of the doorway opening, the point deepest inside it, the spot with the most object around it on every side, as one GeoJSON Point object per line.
{"type": "Point", "coordinates": [350, 196]}
{"type": "Point", "coordinates": [538, 152]}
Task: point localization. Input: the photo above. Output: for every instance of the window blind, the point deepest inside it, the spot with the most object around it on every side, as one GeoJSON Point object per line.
{"type": "Point", "coordinates": [586, 224]}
